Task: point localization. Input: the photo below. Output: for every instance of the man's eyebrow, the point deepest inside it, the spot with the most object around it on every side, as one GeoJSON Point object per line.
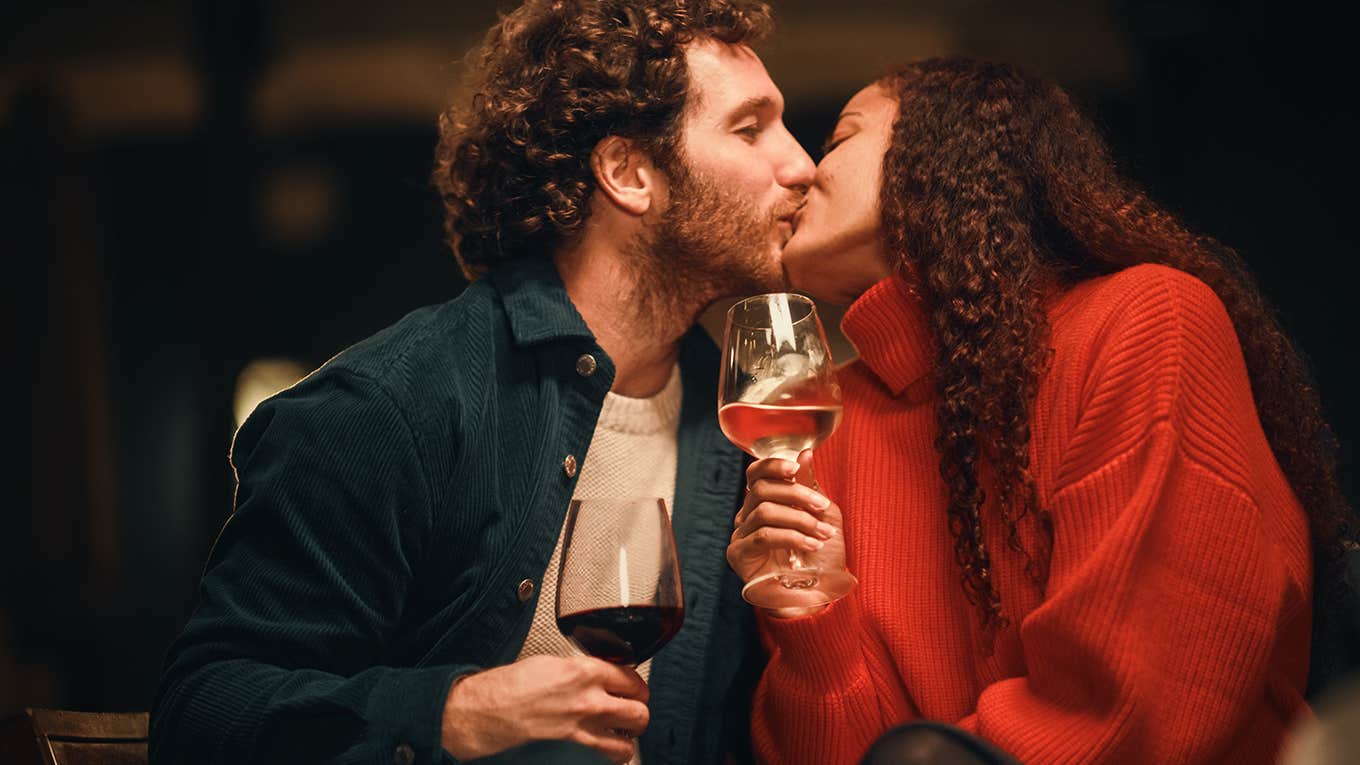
{"type": "Point", "coordinates": [750, 105]}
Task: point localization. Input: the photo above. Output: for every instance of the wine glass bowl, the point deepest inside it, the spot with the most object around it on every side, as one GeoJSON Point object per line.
{"type": "Point", "coordinates": [619, 595]}
{"type": "Point", "coordinates": [777, 396]}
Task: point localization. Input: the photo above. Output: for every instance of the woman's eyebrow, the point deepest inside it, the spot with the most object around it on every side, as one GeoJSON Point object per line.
{"type": "Point", "coordinates": [826, 144]}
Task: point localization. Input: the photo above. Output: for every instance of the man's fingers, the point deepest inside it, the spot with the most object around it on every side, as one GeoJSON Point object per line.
{"type": "Point", "coordinates": [623, 715]}
{"type": "Point", "coordinates": [616, 747]}
{"type": "Point", "coordinates": [623, 682]}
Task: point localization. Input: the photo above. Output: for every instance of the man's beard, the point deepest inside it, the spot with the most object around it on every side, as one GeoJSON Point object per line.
{"type": "Point", "coordinates": [708, 244]}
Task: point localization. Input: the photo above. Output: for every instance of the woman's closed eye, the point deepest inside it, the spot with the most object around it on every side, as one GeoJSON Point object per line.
{"type": "Point", "coordinates": [832, 143]}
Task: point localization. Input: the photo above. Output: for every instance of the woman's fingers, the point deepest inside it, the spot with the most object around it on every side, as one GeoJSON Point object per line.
{"type": "Point", "coordinates": [782, 493]}
{"type": "Point", "coordinates": [792, 494]}
{"type": "Point", "coordinates": [777, 516]}
{"type": "Point", "coordinates": [770, 468]}
{"type": "Point", "coordinates": [766, 538]}
{"type": "Point", "coordinates": [805, 475]}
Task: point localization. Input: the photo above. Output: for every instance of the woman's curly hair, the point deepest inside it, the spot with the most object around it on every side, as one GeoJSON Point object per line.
{"type": "Point", "coordinates": [550, 81]}
{"type": "Point", "coordinates": [997, 190]}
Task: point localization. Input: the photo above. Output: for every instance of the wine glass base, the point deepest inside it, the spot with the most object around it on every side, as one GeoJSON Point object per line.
{"type": "Point", "coordinates": [799, 588]}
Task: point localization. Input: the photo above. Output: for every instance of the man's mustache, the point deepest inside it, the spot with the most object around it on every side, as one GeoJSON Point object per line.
{"type": "Point", "coordinates": [788, 208]}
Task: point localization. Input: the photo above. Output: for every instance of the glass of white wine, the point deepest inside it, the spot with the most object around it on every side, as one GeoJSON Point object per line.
{"type": "Point", "coordinates": [778, 396]}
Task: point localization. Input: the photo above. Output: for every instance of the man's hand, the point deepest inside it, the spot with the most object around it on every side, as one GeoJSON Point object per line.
{"type": "Point", "coordinates": [784, 512]}
{"type": "Point", "coordinates": [581, 699]}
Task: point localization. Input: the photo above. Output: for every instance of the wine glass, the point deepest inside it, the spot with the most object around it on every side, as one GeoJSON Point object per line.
{"type": "Point", "coordinates": [778, 396]}
{"type": "Point", "coordinates": [618, 588]}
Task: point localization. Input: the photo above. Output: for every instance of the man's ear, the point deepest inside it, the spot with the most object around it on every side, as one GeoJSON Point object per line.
{"type": "Point", "coordinates": [625, 174]}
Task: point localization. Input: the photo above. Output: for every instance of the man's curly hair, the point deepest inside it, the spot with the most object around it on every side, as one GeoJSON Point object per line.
{"type": "Point", "coordinates": [551, 80]}
{"type": "Point", "coordinates": [997, 188]}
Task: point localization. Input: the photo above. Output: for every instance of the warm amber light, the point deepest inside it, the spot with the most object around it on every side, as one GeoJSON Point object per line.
{"type": "Point", "coordinates": [261, 379]}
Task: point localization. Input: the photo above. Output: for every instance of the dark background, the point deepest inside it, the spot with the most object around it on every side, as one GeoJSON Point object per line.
{"type": "Point", "coordinates": [190, 186]}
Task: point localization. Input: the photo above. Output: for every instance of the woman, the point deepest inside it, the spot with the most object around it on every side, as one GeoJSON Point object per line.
{"type": "Point", "coordinates": [1082, 475]}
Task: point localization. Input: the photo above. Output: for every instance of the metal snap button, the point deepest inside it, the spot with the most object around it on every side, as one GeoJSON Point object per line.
{"type": "Point", "coordinates": [585, 365]}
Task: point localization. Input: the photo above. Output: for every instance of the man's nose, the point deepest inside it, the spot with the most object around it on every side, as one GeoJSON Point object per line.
{"type": "Point", "coordinates": [796, 169]}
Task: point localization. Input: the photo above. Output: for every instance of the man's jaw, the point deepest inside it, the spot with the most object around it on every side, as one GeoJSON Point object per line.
{"type": "Point", "coordinates": [779, 245]}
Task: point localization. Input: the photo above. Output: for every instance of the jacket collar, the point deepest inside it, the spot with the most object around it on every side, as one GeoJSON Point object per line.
{"type": "Point", "coordinates": [536, 301]}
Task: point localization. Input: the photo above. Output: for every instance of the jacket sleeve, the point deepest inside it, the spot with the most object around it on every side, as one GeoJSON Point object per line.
{"type": "Point", "coordinates": [284, 655]}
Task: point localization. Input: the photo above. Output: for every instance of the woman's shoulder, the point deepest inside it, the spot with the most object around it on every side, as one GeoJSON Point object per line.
{"type": "Point", "coordinates": [1146, 284]}
{"type": "Point", "coordinates": [1147, 301]}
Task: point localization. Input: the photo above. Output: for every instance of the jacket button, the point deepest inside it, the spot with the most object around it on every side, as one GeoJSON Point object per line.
{"type": "Point", "coordinates": [404, 755]}
{"type": "Point", "coordinates": [569, 466]}
{"type": "Point", "coordinates": [526, 590]}
{"type": "Point", "coordinates": [585, 365]}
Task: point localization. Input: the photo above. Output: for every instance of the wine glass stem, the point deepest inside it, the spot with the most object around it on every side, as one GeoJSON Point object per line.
{"type": "Point", "coordinates": [795, 563]}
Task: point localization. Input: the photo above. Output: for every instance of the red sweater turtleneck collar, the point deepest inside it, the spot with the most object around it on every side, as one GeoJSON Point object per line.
{"type": "Point", "coordinates": [888, 327]}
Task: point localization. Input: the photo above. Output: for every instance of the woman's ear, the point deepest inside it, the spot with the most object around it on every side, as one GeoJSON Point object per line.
{"type": "Point", "coordinates": [625, 174]}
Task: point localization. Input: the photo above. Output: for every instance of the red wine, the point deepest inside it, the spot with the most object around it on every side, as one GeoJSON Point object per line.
{"type": "Point", "coordinates": [622, 634]}
{"type": "Point", "coordinates": [766, 430]}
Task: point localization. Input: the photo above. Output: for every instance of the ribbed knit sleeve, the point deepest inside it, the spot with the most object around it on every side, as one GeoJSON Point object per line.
{"type": "Point", "coordinates": [822, 699]}
{"type": "Point", "coordinates": [1168, 582]}
{"type": "Point", "coordinates": [1173, 627]}
{"type": "Point", "coordinates": [283, 658]}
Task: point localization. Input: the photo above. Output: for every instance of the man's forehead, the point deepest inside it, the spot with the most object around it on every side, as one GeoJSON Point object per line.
{"type": "Point", "coordinates": [726, 77]}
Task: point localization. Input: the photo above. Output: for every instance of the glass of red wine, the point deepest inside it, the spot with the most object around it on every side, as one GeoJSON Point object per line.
{"type": "Point", "coordinates": [776, 397]}
{"type": "Point", "coordinates": [618, 589]}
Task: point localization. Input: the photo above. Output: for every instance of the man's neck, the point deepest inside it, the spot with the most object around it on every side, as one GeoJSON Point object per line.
{"type": "Point", "coordinates": [643, 341]}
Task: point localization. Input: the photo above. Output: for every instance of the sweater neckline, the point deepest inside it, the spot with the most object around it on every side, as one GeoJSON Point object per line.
{"type": "Point", "coordinates": [644, 416]}
{"type": "Point", "coordinates": [888, 327]}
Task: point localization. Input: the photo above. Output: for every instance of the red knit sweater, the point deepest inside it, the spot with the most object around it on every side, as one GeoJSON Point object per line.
{"type": "Point", "coordinates": [1175, 625]}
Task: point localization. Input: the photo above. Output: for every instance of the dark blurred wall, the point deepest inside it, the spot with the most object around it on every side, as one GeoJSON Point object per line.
{"type": "Point", "coordinates": [193, 185]}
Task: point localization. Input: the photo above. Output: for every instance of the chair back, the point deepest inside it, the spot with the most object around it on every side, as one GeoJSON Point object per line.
{"type": "Point", "coordinates": [62, 737]}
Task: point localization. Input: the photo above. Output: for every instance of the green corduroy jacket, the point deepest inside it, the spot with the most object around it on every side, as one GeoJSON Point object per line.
{"type": "Point", "coordinates": [390, 509]}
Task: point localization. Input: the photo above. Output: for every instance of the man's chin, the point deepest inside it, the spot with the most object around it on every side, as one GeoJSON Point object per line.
{"type": "Point", "coordinates": [791, 274]}
{"type": "Point", "coordinates": [772, 276]}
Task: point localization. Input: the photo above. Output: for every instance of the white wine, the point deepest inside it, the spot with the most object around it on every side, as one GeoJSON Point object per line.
{"type": "Point", "coordinates": [773, 430]}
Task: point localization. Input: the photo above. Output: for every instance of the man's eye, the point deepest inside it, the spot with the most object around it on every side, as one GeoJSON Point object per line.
{"type": "Point", "coordinates": [749, 132]}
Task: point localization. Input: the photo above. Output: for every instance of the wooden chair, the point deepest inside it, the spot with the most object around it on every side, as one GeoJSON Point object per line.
{"type": "Point", "coordinates": [60, 737]}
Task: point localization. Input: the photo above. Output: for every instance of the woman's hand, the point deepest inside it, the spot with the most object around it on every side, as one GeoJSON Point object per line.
{"type": "Point", "coordinates": [783, 513]}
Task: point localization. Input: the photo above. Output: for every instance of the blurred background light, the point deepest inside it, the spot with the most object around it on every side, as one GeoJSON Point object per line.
{"type": "Point", "coordinates": [261, 379]}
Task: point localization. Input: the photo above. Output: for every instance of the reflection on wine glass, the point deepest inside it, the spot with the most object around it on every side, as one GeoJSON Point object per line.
{"type": "Point", "coordinates": [778, 396]}
{"type": "Point", "coordinates": [619, 596]}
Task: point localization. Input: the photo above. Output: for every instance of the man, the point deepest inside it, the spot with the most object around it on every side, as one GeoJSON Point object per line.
{"type": "Point", "coordinates": [377, 595]}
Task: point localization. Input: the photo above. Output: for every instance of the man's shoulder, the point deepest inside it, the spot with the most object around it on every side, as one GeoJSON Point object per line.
{"type": "Point", "coordinates": [420, 354]}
